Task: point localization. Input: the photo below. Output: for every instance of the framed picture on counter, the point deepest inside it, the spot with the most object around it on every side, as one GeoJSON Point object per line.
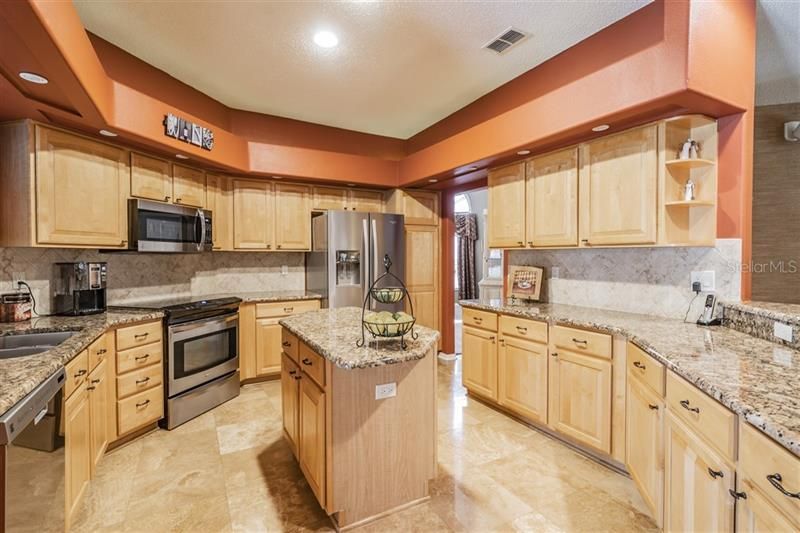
{"type": "Point", "coordinates": [524, 282]}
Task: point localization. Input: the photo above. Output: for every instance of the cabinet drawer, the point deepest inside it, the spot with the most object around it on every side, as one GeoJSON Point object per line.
{"type": "Point", "coordinates": [524, 329]}
{"type": "Point", "coordinates": [273, 309]}
{"type": "Point", "coordinates": [77, 371]}
{"type": "Point", "coordinates": [480, 319]}
{"type": "Point", "coordinates": [140, 409]}
{"type": "Point", "coordinates": [133, 336]}
{"type": "Point", "coordinates": [646, 369]}
{"type": "Point", "coordinates": [139, 380]}
{"type": "Point", "coordinates": [289, 344]}
{"type": "Point", "coordinates": [582, 341]}
{"type": "Point", "coordinates": [703, 414]}
{"type": "Point", "coordinates": [312, 364]}
{"type": "Point", "coordinates": [760, 460]}
{"type": "Point", "coordinates": [98, 350]}
{"type": "Point", "coordinates": [140, 357]}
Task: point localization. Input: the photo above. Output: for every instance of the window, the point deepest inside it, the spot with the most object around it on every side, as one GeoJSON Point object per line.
{"type": "Point", "coordinates": [461, 202]}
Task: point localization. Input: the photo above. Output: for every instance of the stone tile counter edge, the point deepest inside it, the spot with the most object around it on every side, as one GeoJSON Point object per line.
{"type": "Point", "coordinates": [19, 376]}
{"type": "Point", "coordinates": [333, 333]}
{"type": "Point", "coordinates": [756, 379]}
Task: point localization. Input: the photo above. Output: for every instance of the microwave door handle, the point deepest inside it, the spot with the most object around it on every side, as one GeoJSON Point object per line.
{"type": "Point", "coordinates": [202, 240]}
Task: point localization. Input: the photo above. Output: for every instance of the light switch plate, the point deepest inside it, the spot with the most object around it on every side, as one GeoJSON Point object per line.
{"type": "Point", "coordinates": [386, 390]}
{"type": "Point", "coordinates": [555, 272]}
{"type": "Point", "coordinates": [706, 278]}
{"type": "Point", "coordinates": [783, 331]}
{"type": "Point", "coordinates": [284, 270]}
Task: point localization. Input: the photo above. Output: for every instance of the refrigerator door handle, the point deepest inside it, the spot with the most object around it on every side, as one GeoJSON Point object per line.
{"type": "Point", "coordinates": [365, 262]}
{"type": "Point", "coordinates": [376, 270]}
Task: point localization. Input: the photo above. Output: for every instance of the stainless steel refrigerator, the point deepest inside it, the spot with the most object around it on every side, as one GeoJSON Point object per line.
{"type": "Point", "coordinates": [346, 257]}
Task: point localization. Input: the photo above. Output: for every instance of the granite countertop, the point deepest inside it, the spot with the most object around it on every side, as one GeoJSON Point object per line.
{"type": "Point", "coordinates": [21, 375]}
{"type": "Point", "coordinates": [789, 313]}
{"type": "Point", "coordinates": [333, 333]}
{"type": "Point", "coordinates": [755, 378]}
{"type": "Point", "coordinates": [267, 296]}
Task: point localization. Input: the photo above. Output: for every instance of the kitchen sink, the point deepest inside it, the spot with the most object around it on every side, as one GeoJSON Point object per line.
{"type": "Point", "coordinates": [31, 343]}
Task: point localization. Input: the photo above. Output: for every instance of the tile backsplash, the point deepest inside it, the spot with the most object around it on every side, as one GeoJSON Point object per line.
{"type": "Point", "coordinates": [136, 277]}
{"type": "Point", "coordinates": [653, 281]}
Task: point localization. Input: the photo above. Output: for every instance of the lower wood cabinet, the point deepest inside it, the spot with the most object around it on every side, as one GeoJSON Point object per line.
{"type": "Point", "coordinates": [698, 483]}
{"type": "Point", "coordinates": [479, 362]}
{"type": "Point", "coordinates": [290, 398]}
{"type": "Point", "coordinates": [755, 513]}
{"type": "Point", "coordinates": [101, 401]}
{"type": "Point", "coordinates": [522, 376]}
{"type": "Point", "coordinates": [581, 398]}
{"type": "Point", "coordinates": [645, 444]}
{"type": "Point", "coordinates": [139, 373]}
{"type": "Point", "coordinates": [268, 346]}
{"type": "Point", "coordinates": [311, 436]}
{"type": "Point", "coordinates": [77, 446]}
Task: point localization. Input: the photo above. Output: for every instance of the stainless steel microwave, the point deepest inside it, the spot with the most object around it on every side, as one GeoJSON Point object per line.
{"type": "Point", "coordinates": [165, 228]}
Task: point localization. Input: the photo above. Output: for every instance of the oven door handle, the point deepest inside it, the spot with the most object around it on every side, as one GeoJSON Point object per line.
{"type": "Point", "coordinates": [192, 329]}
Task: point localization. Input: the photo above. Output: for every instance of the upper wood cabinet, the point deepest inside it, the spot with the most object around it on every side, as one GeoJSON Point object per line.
{"type": "Point", "coordinates": [479, 360]}
{"type": "Point", "coordinates": [188, 186]}
{"type": "Point", "coordinates": [506, 224]}
{"type": "Point", "coordinates": [348, 199]}
{"type": "Point", "coordinates": [219, 200]}
{"type": "Point", "coordinates": [366, 201]}
{"type": "Point", "coordinates": [418, 207]}
{"type": "Point", "coordinates": [151, 178]}
{"type": "Point", "coordinates": [253, 214]}
{"type": "Point", "coordinates": [81, 191]}
{"type": "Point", "coordinates": [552, 199]}
{"type": "Point", "coordinates": [329, 198]}
{"type": "Point", "coordinates": [618, 183]}
{"type": "Point", "coordinates": [293, 216]}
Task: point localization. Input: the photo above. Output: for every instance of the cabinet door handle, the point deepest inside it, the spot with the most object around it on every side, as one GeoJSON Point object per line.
{"type": "Point", "coordinates": [653, 407]}
{"type": "Point", "coordinates": [307, 362]}
{"type": "Point", "coordinates": [579, 341]}
{"type": "Point", "coordinates": [639, 365]}
{"type": "Point", "coordinates": [477, 319]}
{"type": "Point", "coordinates": [142, 381]}
{"type": "Point", "coordinates": [715, 473]}
{"type": "Point", "coordinates": [141, 335]}
{"type": "Point", "coordinates": [80, 373]}
{"type": "Point", "coordinates": [530, 243]}
{"type": "Point", "coordinates": [96, 381]}
{"type": "Point", "coordinates": [522, 329]}
{"type": "Point", "coordinates": [492, 339]}
{"type": "Point", "coordinates": [91, 387]}
{"type": "Point", "coordinates": [178, 200]}
{"type": "Point", "coordinates": [166, 198]}
{"type": "Point", "coordinates": [292, 372]}
{"type": "Point", "coordinates": [298, 377]}
{"type": "Point", "coordinates": [142, 404]}
{"type": "Point", "coordinates": [521, 243]}
{"type": "Point", "coordinates": [269, 246]}
{"type": "Point", "coordinates": [685, 405]}
{"type": "Point", "coordinates": [278, 246]}
{"type": "Point", "coordinates": [738, 495]}
{"type": "Point", "coordinates": [502, 342]}
{"type": "Point", "coordinates": [141, 357]}
{"type": "Point", "coordinates": [287, 309]}
{"type": "Point", "coordinates": [101, 351]}
{"type": "Point", "coordinates": [776, 479]}
{"type": "Point", "coordinates": [286, 344]}
{"type": "Point", "coordinates": [554, 354]}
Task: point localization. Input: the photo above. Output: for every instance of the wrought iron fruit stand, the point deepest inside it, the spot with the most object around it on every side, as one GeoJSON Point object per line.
{"type": "Point", "coordinates": [387, 295]}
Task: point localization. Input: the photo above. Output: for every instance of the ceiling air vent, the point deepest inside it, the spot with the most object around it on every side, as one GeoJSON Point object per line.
{"type": "Point", "coordinates": [505, 40]}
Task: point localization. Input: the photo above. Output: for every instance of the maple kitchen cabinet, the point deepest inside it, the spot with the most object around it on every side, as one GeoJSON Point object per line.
{"type": "Point", "coordinates": [326, 198]}
{"type": "Point", "coordinates": [219, 200]}
{"type": "Point", "coordinates": [101, 401]}
{"type": "Point", "coordinates": [311, 435]}
{"type": "Point", "coordinates": [522, 368]}
{"type": "Point", "coordinates": [552, 199]}
{"type": "Point", "coordinates": [422, 273]}
{"type": "Point", "coordinates": [479, 361]}
{"type": "Point", "coordinates": [253, 214]}
{"type": "Point", "coordinates": [290, 397]}
{"type": "Point", "coordinates": [293, 214]}
{"type": "Point", "coordinates": [506, 212]}
{"type": "Point", "coordinates": [157, 179]}
{"type": "Point", "coordinates": [77, 449]}
{"type": "Point", "coordinates": [188, 186]}
{"type": "Point", "coordinates": [618, 183]}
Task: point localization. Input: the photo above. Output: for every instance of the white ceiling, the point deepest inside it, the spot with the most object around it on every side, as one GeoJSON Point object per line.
{"type": "Point", "coordinates": [399, 66]}
{"type": "Point", "coordinates": [778, 52]}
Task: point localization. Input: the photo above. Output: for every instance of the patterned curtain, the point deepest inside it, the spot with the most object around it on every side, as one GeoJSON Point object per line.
{"type": "Point", "coordinates": [467, 233]}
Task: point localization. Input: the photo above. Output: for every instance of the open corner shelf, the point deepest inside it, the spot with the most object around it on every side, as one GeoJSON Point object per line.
{"type": "Point", "coordinates": [689, 163]}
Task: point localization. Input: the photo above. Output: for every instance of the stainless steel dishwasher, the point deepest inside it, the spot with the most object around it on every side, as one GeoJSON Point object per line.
{"type": "Point", "coordinates": [32, 460]}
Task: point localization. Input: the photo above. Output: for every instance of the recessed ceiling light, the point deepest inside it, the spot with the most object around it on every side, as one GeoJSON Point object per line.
{"type": "Point", "coordinates": [108, 133]}
{"type": "Point", "coordinates": [277, 177]}
{"type": "Point", "coordinates": [351, 184]}
{"type": "Point", "coordinates": [181, 156]}
{"type": "Point", "coordinates": [33, 78]}
{"type": "Point", "coordinates": [601, 127]}
{"type": "Point", "coordinates": [432, 180]}
{"type": "Point", "coordinates": [326, 39]}
{"type": "Point", "coordinates": [523, 152]}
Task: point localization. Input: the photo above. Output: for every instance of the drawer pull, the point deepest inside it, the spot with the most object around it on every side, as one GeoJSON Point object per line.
{"type": "Point", "coordinates": [502, 342]}
{"type": "Point", "coordinates": [80, 373]}
{"type": "Point", "coordinates": [141, 335]}
{"type": "Point", "coordinates": [286, 344]}
{"type": "Point", "coordinates": [652, 407]}
{"type": "Point", "coordinates": [91, 387]}
{"type": "Point", "coordinates": [522, 329]}
{"type": "Point", "coordinates": [101, 351]}
{"type": "Point", "coordinates": [492, 339]}
{"type": "Point", "coordinates": [287, 309]}
{"type": "Point", "coordinates": [639, 365]}
{"type": "Point", "coordinates": [298, 377]}
{"type": "Point", "coordinates": [307, 362]}
{"type": "Point", "coordinates": [738, 495]}
{"type": "Point", "coordinates": [477, 319]}
{"type": "Point", "coordinates": [142, 381]}
{"type": "Point", "coordinates": [715, 473]}
{"type": "Point", "coordinates": [142, 404]}
{"type": "Point", "coordinates": [96, 381]}
{"type": "Point", "coordinates": [292, 372]}
{"type": "Point", "coordinates": [141, 357]}
{"type": "Point", "coordinates": [685, 405]}
{"type": "Point", "coordinates": [776, 479]}
{"type": "Point", "coordinates": [579, 341]}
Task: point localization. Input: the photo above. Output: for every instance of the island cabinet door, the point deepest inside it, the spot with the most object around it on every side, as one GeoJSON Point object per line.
{"type": "Point", "coordinates": [697, 484]}
{"type": "Point", "coordinates": [645, 445]}
{"type": "Point", "coordinates": [479, 360]}
{"type": "Point", "coordinates": [312, 436]}
{"type": "Point", "coordinates": [522, 376]}
{"type": "Point", "coordinates": [290, 397]}
{"type": "Point", "coordinates": [582, 403]}
{"type": "Point", "coordinates": [99, 387]}
{"type": "Point", "coordinates": [77, 449]}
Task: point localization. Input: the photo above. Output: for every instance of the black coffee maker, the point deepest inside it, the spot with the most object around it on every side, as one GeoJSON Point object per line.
{"type": "Point", "coordinates": [79, 288]}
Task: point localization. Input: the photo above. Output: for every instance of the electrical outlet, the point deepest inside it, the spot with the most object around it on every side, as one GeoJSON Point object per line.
{"type": "Point", "coordinates": [17, 277]}
{"type": "Point", "coordinates": [387, 390]}
{"type": "Point", "coordinates": [783, 331]}
{"type": "Point", "coordinates": [555, 272]}
{"type": "Point", "coordinates": [284, 270]}
{"type": "Point", "coordinates": [706, 278]}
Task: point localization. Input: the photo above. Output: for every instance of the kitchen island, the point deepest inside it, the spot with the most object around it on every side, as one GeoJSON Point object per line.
{"type": "Point", "coordinates": [360, 421]}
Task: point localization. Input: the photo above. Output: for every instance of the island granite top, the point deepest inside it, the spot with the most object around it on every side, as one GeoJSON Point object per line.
{"type": "Point", "coordinates": [19, 376]}
{"type": "Point", "coordinates": [333, 333]}
{"type": "Point", "coordinates": [757, 379]}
